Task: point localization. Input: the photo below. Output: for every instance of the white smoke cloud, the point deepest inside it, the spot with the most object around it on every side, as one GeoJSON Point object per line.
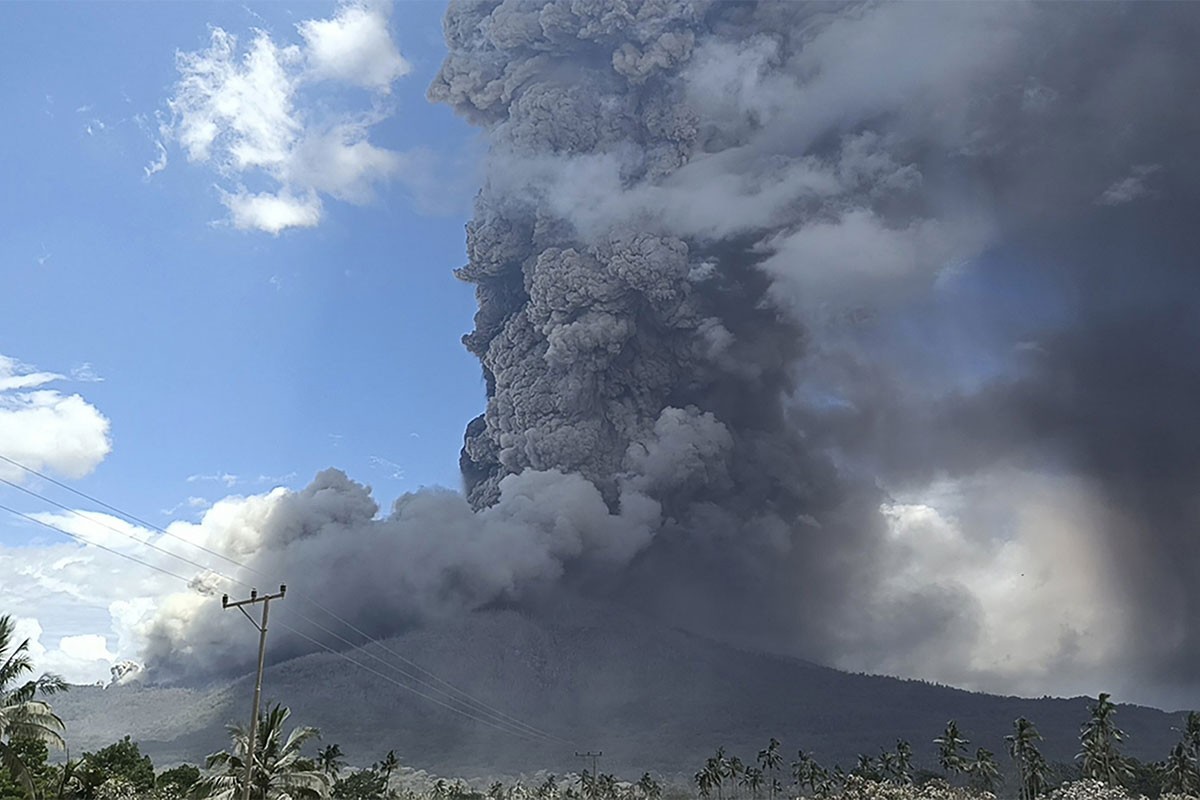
{"type": "Point", "coordinates": [250, 115]}
{"type": "Point", "coordinates": [46, 429]}
{"type": "Point", "coordinates": [1040, 610]}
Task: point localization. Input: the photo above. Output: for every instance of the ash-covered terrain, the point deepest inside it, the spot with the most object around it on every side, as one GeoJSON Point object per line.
{"type": "Point", "coordinates": [650, 697]}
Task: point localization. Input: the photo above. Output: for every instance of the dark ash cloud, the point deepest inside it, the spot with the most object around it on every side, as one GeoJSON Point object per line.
{"type": "Point", "coordinates": [858, 315]}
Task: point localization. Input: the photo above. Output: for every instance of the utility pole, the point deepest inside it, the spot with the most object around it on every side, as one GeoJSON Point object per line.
{"type": "Point", "coordinates": [593, 757]}
{"type": "Point", "coordinates": [262, 651]}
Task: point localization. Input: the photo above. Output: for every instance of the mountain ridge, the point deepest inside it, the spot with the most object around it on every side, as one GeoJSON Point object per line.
{"type": "Point", "coordinates": [648, 696]}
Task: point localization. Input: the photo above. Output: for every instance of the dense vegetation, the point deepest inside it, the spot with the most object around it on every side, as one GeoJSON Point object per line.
{"type": "Point", "coordinates": [283, 771]}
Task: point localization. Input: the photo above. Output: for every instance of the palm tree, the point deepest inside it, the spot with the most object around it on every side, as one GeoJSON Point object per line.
{"type": "Point", "coordinates": [22, 716]}
{"type": "Point", "coordinates": [1100, 738]}
{"type": "Point", "coordinates": [650, 788]}
{"type": "Point", "coordinates": [904, 756]}
{"type": "Point", "coordinates": [547, 789]}
{"type": "Point", "coordinates": [330, 760]}
{"type": "Point", "coordinates": [769, 762]}
{"type": "Point", "coordinates": [704, 781]}
{"type": "Point", "coordinates": [984, 772]}
{"type": "Point", "coordinates": [807, 772]}
{"type": "Point", "coordinates": [717, 767]}
{"type": "Point", "coordinates": [389, 765]}
{"type": "Point", "coordinates": [1031, 765]}
{"type": "Point", "coordinates": [887, 766]}
{"type": "Point", "coordinates": [279, 772]}
{"type": "Point", "coordinates": [733, 770]}
{"type": "Point", "coordinates": [951, 746]}
{"type": "Point", "coordinates": [866, 768]}
{"type": "Point", "coordinates": [752, 779]}
{"type": "Point", "coordinates": [1191, 734]}
{"type": "Point", "coordinates": [1179, 772]}
{"type": "Point", "coordinates": [606, 786]}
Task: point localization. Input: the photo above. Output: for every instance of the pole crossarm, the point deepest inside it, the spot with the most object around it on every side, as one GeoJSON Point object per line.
{"type": "Point", "coordinates": [254, 597]}
{"type": "Point", "coordinates": [265, 599]}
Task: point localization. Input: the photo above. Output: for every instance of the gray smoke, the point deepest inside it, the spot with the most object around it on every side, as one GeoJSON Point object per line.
{"type": "Point", "coordinates": [834, 322]}
{"type": "Point", "coordinates": [712, 259]}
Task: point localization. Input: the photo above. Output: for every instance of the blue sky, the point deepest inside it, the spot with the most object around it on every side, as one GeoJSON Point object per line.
{"type": "Point", "coordinates": [226, 351]}
{"type": "Point", "coordinates": [226, 358]}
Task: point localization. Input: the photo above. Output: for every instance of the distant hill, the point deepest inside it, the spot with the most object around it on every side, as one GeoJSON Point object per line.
{"type": "Point", "coordinates": [649, 697]}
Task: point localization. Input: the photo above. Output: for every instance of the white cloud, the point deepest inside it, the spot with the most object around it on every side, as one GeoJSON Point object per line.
{"type": "Point", "coordinates": [84, 608]}
{"type": "Point", "coordinates": [252, 117]}
{"type": "Point", "coordinates": [1129, 188]}
{"type": "Point", "coordinates": [78, 659]}
{"type": "Point", "coordinates": [159, 163]}
{"type": "Point", "coordinates": [354, 47]}
{"type": "Point", "coordinates": [227, 478]}
{"type": "Point", "coordinates": [86, 373]}
{"type": "Point", "coordinates": [46, 429]}
{"type": "Point", "coordinates": [1036, 605]}
{"type": "Point", "coordinates": [272, 213]}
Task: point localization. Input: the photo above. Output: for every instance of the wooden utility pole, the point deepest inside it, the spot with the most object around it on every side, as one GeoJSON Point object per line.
{"type": "Point", "coordinates": [262, 651]}
{"type": "Point", "coordinates": [593, 757]}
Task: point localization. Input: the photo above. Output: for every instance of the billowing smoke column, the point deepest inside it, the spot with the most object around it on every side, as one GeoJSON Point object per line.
{"type": "Point", "coordinates": [864, 333]}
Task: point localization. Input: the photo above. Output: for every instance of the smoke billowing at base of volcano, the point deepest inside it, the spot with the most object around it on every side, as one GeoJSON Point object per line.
{"type": "Point", "coordinates": [862, 333]}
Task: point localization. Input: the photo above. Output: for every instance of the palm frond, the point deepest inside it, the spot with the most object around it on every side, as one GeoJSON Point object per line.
{"type": "Point", "coordinates": [17, 769]}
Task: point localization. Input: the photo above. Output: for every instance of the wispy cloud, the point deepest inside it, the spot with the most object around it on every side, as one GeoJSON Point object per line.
{"type": "Point", "coordinates": [390, 468]}
{"type": "Point", "coordinates": [192, 502]}
{"type": "Point", "coordinates": [1129, 188]}
{"type": "Point", "coordinates": [86, 373]}
{"type": "Point", "coordinates": [249, 114]}
{"type": "Point", "coordinates": [227, 478]}
{"type": "Point", "coordinates": [159, 163]}
{"type": "Point", "coordinates": [230, 480]}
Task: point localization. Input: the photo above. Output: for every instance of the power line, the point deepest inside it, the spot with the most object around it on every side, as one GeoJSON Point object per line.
{"type": "Point", "coordinates": [113, 509]}
{"type": "Point", "coordinates": [186, 581]}
{"type": "Point", "coordinates": [502, 718]}
{"type": "Point", "coordinates": [126, 534]}
{"type": "Point", "coordinates": [406, 687]}
{"type": "Point", "coordinates": [512, 721]}
{"type": "Point", "coordinates": [77, 538]}
{"type": "Point", "coordinates": [464, 698]}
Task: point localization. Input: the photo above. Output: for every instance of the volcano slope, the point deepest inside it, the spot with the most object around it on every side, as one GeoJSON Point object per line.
{"type": "Point", "coordinates": [648, 696]}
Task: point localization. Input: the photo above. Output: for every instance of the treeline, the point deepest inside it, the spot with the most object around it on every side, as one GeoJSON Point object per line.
{"type": "Point", "coordinates": [282, 767]}
{"type": "Point", "coordinates": [288, 764]}
{"type": "Point", "coordinates": [1100, 766]}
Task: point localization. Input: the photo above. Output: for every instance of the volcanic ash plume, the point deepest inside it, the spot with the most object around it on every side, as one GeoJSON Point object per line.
{"type": "Point", "coordinates": [822, 327]}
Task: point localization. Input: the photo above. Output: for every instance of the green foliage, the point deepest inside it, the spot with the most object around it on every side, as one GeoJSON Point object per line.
{"type": "Point", "coordinates": [330, 760]}
{"type": "Point", "coordinates": [1100, 739]}
{"type": "Point", "coordinates": [1144, 778]}
{"type": "Point", "coordinates": [34, 755]}
{"type": "Point", "coordinates": [388, 765]}
{"type": "Point", "coordinates": [1032, 768]}
{"type": "Point", "coordinates": [649, 788]}
{"type": "Point", "coordinates": [363, 784]}
{"type": "Point", "coordinates": [984, 772]}
{"type": "Point", "coordinates": [952, 748]}
{"type": "Point", "coordinates": [280, 772]}
{"type": "Point", "coordinates": [121, 761]}
{"type": "Point", "coordinates": [22, 715]}
{"type": "Point", "coordinates": [177, 781]}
